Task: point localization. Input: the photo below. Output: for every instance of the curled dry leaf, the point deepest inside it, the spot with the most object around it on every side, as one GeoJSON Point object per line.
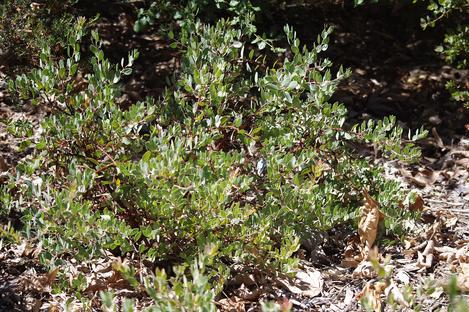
{"type": "Point", "coordinates": [352, 256]}
{"type": "Point", "coordinates": [425, 258]}
{"type": "Point", "coordinates": [372, 294]}
{"type": "Point", "coordinates": [364, 270]}
{"type": "Point", "coordinates": [423, 178]}
{"type": "Point", "coordinates": [368, 225]}
{"type": "Point", "coordinates": [453, 255]}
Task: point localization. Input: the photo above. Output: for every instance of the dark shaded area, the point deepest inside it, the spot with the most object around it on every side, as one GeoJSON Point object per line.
{"type": "Point", "coordinates": [17, 284]}
{"type": "Point", "coordinates": [395, 68]}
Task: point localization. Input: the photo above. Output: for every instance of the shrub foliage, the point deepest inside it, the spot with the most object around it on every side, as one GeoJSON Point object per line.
{"type": "Point", "coordinates": [240, 153]}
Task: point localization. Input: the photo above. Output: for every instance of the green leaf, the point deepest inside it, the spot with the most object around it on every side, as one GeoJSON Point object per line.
{"type": "Point", "coordinates": [126, 71]}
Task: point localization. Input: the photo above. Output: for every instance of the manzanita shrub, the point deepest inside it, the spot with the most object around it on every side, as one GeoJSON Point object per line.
{"type": "Point", "coordinates": [455, 46]}
{"type": "Point", "coordinates": [241, 153]}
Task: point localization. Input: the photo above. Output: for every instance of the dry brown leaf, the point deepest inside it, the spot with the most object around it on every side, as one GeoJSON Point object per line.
{"type": "Point", "coordinates": [364, 270]}
{"type": "Point", "coordinates": [437, 138]}
{"type": "Point", "coordinates": [372, 293]}
{"type": "Point", "coordinates": [50, 277]}
{"type": "Point", "coordinates": [234, 304]}
{"type": "Point", "coordinates": [417, 205]}
{"type": "Point", "coordinates": [3, 165]}
{"type": "Point", "coordinates": [393, 291]}
{"type": "Point", "coordinates": [311, 283]}
{"type": "Point", "coordinates": [306, 283]}
{"type": "Point", "coordinates": [463, 277]}
{"type": "Point", "coordinates": [425, 258]}
{"type": "Point", "coordinates": [453, 255]}
{"type": "Point", "coordinates": [352, 256]}
{"type": "Point", "coordinates": [368, 224]}
{"type": "Point", "coordinates": [423, 178]}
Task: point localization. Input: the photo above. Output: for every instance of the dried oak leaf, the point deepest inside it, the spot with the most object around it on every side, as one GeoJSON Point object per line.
{"type": "Point", "coordinates": [368, 224]}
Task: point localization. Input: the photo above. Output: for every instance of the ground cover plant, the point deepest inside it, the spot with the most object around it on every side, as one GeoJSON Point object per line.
{"type": "Point", "coordinates": [228, 173]}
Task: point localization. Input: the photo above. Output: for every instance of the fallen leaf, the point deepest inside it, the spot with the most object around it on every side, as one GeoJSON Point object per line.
{"type": "Point", "coordinates": [364, 270]}
{"type": "Point", "coordinates": [437, 138]}
{"type": "Point", "coordinates": [453, 255]}
{"type": "Point", "coordinates": [368, 224]}
{"type": "Point", "coordinates": [312, 283]}
{"type": "Point", "coordinates": [306, 283]}
{"type": "Point", "coordinates": [402, 277]}
{"type": "Point", "coordinates": [417, 205]}
{"type": "Point", "coordinates": [234, 304]}
{"type": "Point", "coordinates": [352, 256]}
{"type": "Point", "coordinates": [50, 277]}
{"type": "Point", "coordinates": [3, 165]}
{"type": "Point", "coordinates": [425, 258]}
{"type": "Point", "coordinates": [372, 294]}
{"type": "Point", "coordinates": [392, 291]}
{"type": "Point", "coordinates": [463, 277]}
{"type": "Point", "coordinates": [425, 176]}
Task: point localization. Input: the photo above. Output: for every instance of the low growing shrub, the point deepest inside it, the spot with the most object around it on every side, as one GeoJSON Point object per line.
{"type": "Point", "coordinates": [240, 153]}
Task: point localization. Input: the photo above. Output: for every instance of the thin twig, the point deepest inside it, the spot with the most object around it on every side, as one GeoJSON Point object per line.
{"type": "Point", "coordinates": [444, 202]}
{"type": "Point", "coordinates": [459, 210]}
